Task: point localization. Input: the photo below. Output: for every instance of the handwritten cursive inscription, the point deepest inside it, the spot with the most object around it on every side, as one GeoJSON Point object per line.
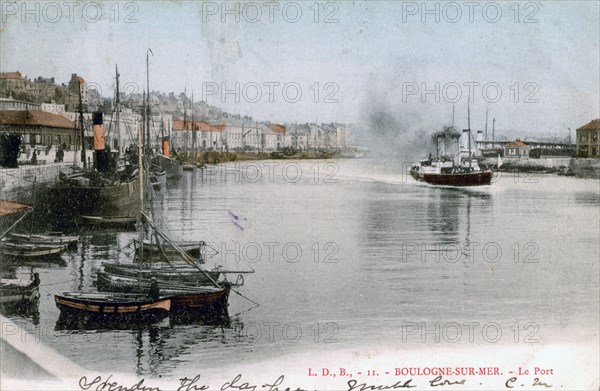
{"type": "Point", "coordinates": [439, 381]}
{"type": "Point", "coordinates": [112, 386]}
{"type": "Point", "coordinates": [354, 385]}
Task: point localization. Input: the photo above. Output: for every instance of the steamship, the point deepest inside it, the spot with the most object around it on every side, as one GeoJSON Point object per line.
{"type": "Point", "coordinates": [100, 192]}
{"type": "Point", "coordinates": [452, 171]}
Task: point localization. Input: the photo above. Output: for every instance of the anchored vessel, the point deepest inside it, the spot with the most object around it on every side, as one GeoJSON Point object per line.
{"type": "Point", "coordinates": [120, 307]}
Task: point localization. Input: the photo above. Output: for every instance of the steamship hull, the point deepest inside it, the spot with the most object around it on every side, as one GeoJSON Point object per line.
{"type": "Point", "coordinates": [116, 201]}
{"type": "Point", "coordinates": [460, 179]}
{"type": "Point", "coordinates": [174, 170]}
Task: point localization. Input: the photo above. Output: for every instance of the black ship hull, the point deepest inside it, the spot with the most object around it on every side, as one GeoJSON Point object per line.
{"type": "Point", "coordinates": [460, 179]}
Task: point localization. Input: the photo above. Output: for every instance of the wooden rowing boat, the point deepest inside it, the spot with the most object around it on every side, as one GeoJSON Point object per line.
{"type": "Point", "coordinates": [138, 280]}
{"type": "Point", "coordinates": [46, 239]}
{"type": "Point", "coordinates": [183, 296]}
{"type": "Point", "coordinates": [29, 250]}
{"type": "Point", "coordinates": [121, 307]}
{"type": "Point", "coordinates": [201, 298]}
{"type": "Point", "coordinates": [109, 221]}
{"type": "Point", "coordinates": [154, 252]}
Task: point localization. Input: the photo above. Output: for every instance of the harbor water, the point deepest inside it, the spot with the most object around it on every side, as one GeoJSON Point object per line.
{"type": "Point", "coordinates": [350, 254]}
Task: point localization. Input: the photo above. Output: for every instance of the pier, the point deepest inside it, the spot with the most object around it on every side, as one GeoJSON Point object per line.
{"type": "Point", "coordinates": [22, 183]}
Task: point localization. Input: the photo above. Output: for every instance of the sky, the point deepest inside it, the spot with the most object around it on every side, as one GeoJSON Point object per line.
{"type": "Point", "coordinates": [534, 66]}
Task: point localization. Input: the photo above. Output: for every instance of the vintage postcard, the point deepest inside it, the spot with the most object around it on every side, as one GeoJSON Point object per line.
{"type": "Point", "coordinates": [299, 195]}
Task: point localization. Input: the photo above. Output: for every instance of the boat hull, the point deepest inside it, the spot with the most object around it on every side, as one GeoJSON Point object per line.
{"type": "Point", "coordinates": [182, 297]}
{"type": "Point", "coordinates": [173, 169]}
{"type": "Point", "coordinates": [127, 222]}
{"type": "Point", "coordinates": [120, 200]}
{"type": "Point", "coordinates": [207, 299]}
{"type": "Point", "coordinates": [132, 281]}
{"type": "Point", "coordinates": [44, 239]}
{"type": "Point", "coordinates": [461, 179]}
{"type": "Point", "coordinates": [28, 250]}
{"type": "Point", "coordinates": [121, 308]}
{"type": "Point", "coordinates": [153, 252]}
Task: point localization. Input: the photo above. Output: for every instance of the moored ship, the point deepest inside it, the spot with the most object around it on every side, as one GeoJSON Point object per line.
{"type": "Point", "coordinates": [100, 192]}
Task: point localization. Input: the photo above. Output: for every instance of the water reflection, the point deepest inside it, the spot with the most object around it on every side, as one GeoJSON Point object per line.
{"type": "Point", "coordinates": [26, 310]}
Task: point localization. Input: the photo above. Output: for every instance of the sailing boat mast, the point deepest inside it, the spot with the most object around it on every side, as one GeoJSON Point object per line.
{"type": "Point", "coordinates": [83, 157]}
{"type": "Point", "coordinates": [147, 108]}
{"type": "Point", "coordinates": [193, 128]}
{"type": "Point", "coordinates": [469, 127]}
{"type": "Point", "coordinates": [185, 127]}
{"type": "Point", "coordinates": [487, 110]}
{"type": "Point", "coordinates": [141, 185]}
{"type": "Point", "coordinates": [118, 109]}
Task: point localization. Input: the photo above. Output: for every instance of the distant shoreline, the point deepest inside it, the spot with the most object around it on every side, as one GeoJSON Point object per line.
{"type": "Point", "coordinates": [212, 157]}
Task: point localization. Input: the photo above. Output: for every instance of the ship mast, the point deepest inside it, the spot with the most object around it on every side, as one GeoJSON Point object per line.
{"type": "Point", "coordinates": [469, 127]}
{"type": "Point", "coordinates": [487, 110]}
{"type": "Point", "coordinates": [83, 157]}
{"type": "Point", "coordinates": [118, 108]}
{"type": "Point", "coordinates": [193, 128]}
{"type": "Point", "coordinates": [147, 108]}
{"type": "Point", "coordinates": [185, 127]}
{"type": "Point", "coordinates": [141, 185]}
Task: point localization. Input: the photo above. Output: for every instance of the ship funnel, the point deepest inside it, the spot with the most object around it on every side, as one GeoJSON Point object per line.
{"type": "Point", "coordinates": [99, 146]}
{"type": "Point", "coordinates": [165, 147]}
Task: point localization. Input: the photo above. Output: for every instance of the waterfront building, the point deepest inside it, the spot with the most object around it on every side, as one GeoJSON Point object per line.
{"type": "Point", "coordinates": [588, 140]}
{"type": "Point", "coordinates": [516, 149]}
{"type": "Point", "coordinates": [242, 136]}
{"type": "Point", "coordinates": [39, 132]}
{"type": "Point", "coordinates": [274, 137]}
{"type": "Point", "coordinates": [207, 136]}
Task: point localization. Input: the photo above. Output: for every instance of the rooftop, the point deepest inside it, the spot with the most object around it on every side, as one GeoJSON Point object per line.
{"type": "Point", "coordinates": [11, 75]}
{"type": "Point", "coordinates": [516, 143]}
{"type": "Point", "coordinates": [276, 128]}
{"type": "Point", "coordinates": [595, 124]}
{"type": "Point", "coordinates": [34, 118]}
{"type": "Point", "coordinates": [179, 125]}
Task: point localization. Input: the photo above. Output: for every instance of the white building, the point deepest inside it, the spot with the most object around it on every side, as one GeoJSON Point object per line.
{"type": "Point", "coordinates": [207, 137]}
{"type": "Point", "coordinates": [242, 137]}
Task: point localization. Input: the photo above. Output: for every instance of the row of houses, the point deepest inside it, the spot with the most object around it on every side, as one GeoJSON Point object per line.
{"type": "Point", "coordinates": [50, 124]}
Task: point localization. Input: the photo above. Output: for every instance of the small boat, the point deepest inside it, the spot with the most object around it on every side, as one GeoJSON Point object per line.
{"type": "Point", "coordinates": [121, 307]}
{"type": "Point", "coordinates": [124, 221]}
{"type": "Point", "coordinates": [188, 167]}
{"type": "Point", "coordinates": [19, 290]}
{"type": "Point", "coordinates": [49, 239]}
{"type": "Point", "coordinates": [135, 279]}
{"type": "Point", "coordinates": [208, 298]}
{"type": "Point", "coordinates": [182, 296]}
{"type": "Point", "coordinates": [18, 249]}
{"type": "Point", "coordinates": [154, 251]}
{"type": "Point", "coordinates": [172, 168]}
